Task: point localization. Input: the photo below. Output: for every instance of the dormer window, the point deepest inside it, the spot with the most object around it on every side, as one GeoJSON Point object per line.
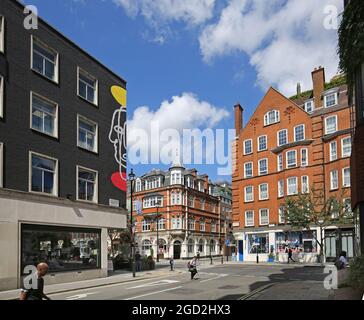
{"type": "Point", "coordinates": [330, 100]}
{"type": "Point", "coordinates": [176, 177]}
{"type": "Point", "coordinates": [138, 186]}
{"type": "Point", "coordinates": [309, 106]}
{"type": "Point", "coordinates": [271, 117]}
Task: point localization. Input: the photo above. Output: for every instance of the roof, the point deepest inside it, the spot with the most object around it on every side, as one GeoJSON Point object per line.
{"type": "Point", "coordinates": [60, 34]}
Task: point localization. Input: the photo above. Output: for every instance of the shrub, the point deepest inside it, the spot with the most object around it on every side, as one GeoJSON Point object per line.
{"type": "Point", "coordinates": [356, 273]}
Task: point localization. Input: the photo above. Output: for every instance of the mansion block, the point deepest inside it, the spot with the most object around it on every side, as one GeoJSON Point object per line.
{"type": "Point", "coordinates": [290, 146]}
{"type": "Point", "coordinates": [181, 208]}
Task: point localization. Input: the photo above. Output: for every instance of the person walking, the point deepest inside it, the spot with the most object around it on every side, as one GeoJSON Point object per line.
{"type": "Point", "coordinates": [192, 267]}
{"type": "Point", "coordinates": [198, 255]}
{"type": "Point", "coordinates": [138, 262]}
{"type": "Point", "coordinates": [37, 292]}
{"type": "Point", "coordinates": [171, 263]}
{"type": "Point", "coordinates": [290, 255]}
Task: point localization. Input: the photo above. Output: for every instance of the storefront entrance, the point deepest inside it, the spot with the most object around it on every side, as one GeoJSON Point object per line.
{"type": "Point", "coordinates": [177, 249]}
{"type": "Point", "coordinates": [339, 240]}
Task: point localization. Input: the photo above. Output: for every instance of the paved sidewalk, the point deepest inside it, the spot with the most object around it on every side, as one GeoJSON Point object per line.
{"type": "Point", "coordinates": [123, 276]}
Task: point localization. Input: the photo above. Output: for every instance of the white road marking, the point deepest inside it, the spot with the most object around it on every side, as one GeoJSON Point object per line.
{"type": "Point", "coordinates": [80, 296]}
{"type": "Point", "coordinates": [156, 283]}
{"type": "Point", "coordinates": [218, 277]}
{"type": "Point", "coordinates": [151, 293]}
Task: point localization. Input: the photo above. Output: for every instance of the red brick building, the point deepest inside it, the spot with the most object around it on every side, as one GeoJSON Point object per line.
{"type": "Point", "coordinates": [290, 145]}
{"type": "Point", "coordinates": [189, 219]}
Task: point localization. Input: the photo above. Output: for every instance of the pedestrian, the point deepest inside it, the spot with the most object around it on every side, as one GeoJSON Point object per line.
{"type": "Point", "coordinates": [171, 263]}
{"type": "Point", "coordinates": [36, 293]}
{"type": "Point", "coordinates": [290, 255]}
{"type": "Point", "coordinates": [138, 261]}
{"type": "Point", "coordinates": [198, 255]}
{"type": "Point", "coordinates": [342, 262]}
{"type": "Point", "coordinates": [192, 267]}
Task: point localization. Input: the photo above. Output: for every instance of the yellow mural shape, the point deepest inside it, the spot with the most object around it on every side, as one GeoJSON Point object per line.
{"type": "Point", "coordinates": [119, 94]}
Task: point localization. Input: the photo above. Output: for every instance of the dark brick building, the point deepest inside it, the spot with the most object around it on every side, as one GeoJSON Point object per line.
{"type": "Point", "coordinates": [57, 200]}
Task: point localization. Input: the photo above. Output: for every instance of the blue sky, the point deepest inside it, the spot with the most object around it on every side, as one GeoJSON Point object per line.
{"type": "Point", "coordinates": [219, 51]}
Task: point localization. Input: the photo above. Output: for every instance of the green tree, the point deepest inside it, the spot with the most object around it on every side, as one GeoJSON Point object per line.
{"type": "Point", "coordinates": [313, 209]}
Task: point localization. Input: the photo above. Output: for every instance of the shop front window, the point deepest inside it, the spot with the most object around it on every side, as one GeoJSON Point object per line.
{"type": "Point", "coordinates": [63, 249]}
{"type": "Point", "coordinates": [258, 242]}
{"type": "Point", "coordinates": [300, 241]}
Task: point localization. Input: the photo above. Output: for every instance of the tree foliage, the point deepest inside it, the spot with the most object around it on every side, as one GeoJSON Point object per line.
{"type": "Point", "coordinates": [307, 210]}
{"type": "Point", "coordinates": [351, 40]}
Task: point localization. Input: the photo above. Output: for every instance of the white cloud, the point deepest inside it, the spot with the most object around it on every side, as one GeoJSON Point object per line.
{"type": "Point", "coordinates": [160, 13]}
{"type": "Point", "coordinates": [284, 40]}
{"type": "Point", "coordinates": [181, 112]}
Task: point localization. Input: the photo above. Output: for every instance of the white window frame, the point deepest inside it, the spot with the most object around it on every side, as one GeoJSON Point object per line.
{"type": "Point", "coordinates": [245, 194]}
{"type": "Point", "coordinates": [1, 96]}
{"type": "Point", "coordinates": [266, 142]}
{"type": "Point", "coordinates": [251, 146]}
{"type": "Point", "coordinates": [281, 215]}
{"type": "Point", "coordinates": [55, 191]}
{"type": "Point", "coordinates": [280, 188]}
{"type": "Point", "coordinates": [343, 177]}
{"type": "Point", "coordinates": [47, 48]}
{"type": "Point", "coordinates": [325, 100]}
{"type": "Point", "coordinates": [288, 185]}
{"type": "Point", "coordinates": [278, 142]}
{"type": "Point", "coordinates": [345, 155]}
{"type": "Point", "coordinates": [333, 158]}
{"type": "Point", "coordinates": [146, 226]}
{"type": "Point", "coordinates": [55, 127]}
{"type": "Point", "coordinates": [336, 124]}
{"type": "Point", "coordinates": [251, 224]}
{"type": "Point", "coordinates": [202, 225]}
{"type": "Point", "coordinates": [287, 158]}
{"type": "Point", "coordinates": [1, 165]}
{"type": "Point", "coordinates": [259, 171]}
{"type": "Point", "coordinates": [332, 187]}
{"type": "Point", "coordinates": [304, 163]}
{"type": "Point", "coordinates": [276, 117]}
{"type": "Point", "coordinates": [260, 191]}
{"type": "Point", "coordinates": [96, 92]}
{"type": "Point", "coordinates": [312, 106]}
{"type": "Point", "coordinates": [2, 34]}
{"type": "Point", "coordinates": [245, 174]}
{"type": "Point", "coordinates": [260, 217]}
{"type": "Point", "coordinates": [96, 187]}
{"type": "Point", "coordinates": [96, 145]}
{"type": "Point", "coordinates": [307, 186]}
{"type": "Point", "coordinates": [280, 165]}
{"type": "Point", "coordinates": [304, 132]}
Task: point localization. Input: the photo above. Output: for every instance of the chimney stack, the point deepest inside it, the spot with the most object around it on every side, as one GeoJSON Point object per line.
{"type": "Point", "coordinates": [238, 109]}
{"type": "Point", "coordinates": [318, 79]}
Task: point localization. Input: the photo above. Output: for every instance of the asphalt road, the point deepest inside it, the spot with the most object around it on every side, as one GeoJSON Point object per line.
{"type": "Point", "coordinates": [217, 282]}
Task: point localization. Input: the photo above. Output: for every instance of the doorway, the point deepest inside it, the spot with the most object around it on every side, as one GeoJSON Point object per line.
{"type": "Point", "coordinates": [177, 249]}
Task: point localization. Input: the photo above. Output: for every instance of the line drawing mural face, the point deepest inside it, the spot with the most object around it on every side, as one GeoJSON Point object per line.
{"type": "Point", "coordinates": [117, 137]}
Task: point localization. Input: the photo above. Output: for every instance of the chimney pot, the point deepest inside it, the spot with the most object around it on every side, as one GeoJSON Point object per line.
{"type": "Point", "coordinates": [318, 80]}
{"type": "Point", "coordinates": [238, 111]}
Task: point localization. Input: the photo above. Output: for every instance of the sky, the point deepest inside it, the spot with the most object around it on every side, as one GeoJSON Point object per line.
{"type": "Point", "coordinates": [187, 63]}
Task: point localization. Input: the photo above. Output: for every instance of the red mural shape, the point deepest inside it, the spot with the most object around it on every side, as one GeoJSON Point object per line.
{"type": "Point", "coordinates": [119, 181]}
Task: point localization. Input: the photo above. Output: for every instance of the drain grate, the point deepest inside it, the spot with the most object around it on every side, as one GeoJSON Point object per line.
{"type": "Point", "coordinates": [228, 287]}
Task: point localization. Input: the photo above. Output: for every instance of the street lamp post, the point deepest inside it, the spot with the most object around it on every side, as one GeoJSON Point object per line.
{"type": "Point", "coordinates": [157, 232]}
{"type": "Point", "coordinates": [131, 179]}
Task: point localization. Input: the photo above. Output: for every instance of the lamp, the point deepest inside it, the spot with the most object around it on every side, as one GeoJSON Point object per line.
{"type": "Point", "coordinates": [131, 179]}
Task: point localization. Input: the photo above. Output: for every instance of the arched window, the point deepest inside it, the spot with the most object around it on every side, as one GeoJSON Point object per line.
{"type": "Point", "coordinates": [271, 117]}
{"type": "Point", "coordinates": [146, 245]}
{"type": "Point", "coordinates": [201, 246]}
{"type": "Point", "coordinates": [191, 244]}
{"type": "Point", "coordinates": [212, 245]}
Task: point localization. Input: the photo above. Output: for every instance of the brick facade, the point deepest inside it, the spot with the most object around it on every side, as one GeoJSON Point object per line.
{"type": "Point", "coordinates": [305, 155]}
